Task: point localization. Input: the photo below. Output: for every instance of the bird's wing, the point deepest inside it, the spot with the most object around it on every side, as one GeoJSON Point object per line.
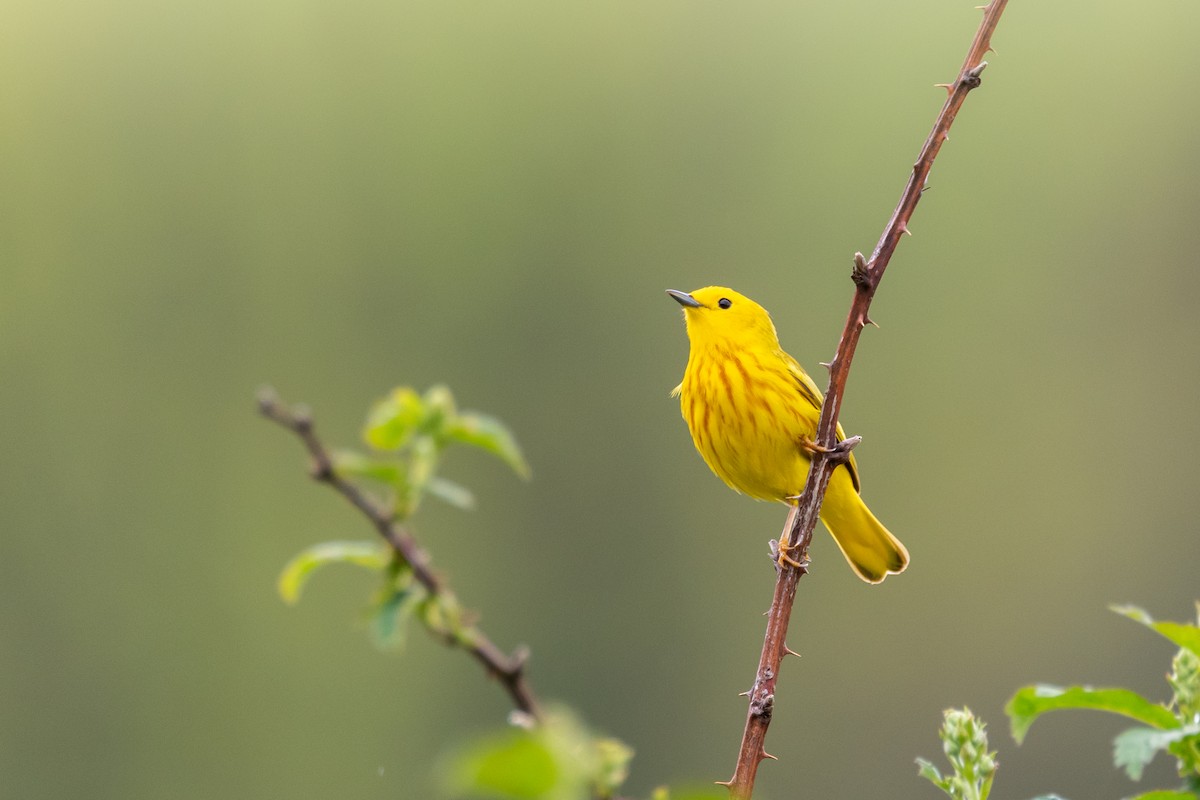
{"type": "Point", "coordinates": [813, 395]}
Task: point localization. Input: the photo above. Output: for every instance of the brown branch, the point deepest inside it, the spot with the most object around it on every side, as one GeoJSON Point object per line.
{"type": "Point", "coordinates": [802, 518]}
{"type": "Point", "coordinates": [509, 670]}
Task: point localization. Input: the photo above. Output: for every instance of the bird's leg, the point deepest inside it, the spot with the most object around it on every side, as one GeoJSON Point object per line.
{"type": "Point", "coordinates": [780, 549]}
{"type": "Point", "coordinates": [839, 454]}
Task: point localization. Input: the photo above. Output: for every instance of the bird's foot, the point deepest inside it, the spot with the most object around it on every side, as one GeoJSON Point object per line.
{"type": "Point", "coordinates": [779, 554]}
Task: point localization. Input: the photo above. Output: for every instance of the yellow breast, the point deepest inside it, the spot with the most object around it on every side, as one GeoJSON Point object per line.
{"type": "Point", "coordinates": [747, 413]}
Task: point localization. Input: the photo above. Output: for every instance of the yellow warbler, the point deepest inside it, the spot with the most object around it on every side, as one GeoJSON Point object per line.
{"type": "Point", "coordinates": [753, 412]}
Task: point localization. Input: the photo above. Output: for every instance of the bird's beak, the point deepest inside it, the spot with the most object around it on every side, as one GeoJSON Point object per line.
{"type": "Point", "coordinates": [683, 298]}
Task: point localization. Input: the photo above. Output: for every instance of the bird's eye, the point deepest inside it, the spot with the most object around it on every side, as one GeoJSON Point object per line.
{"type": "Point", "coordinates": [724, 302]}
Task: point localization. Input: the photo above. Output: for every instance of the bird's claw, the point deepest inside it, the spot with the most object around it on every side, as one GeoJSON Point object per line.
{"type": "Point", "coordinates": [779, 554]}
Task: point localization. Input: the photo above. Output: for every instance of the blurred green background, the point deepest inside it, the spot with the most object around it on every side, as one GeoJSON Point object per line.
{"type": "Point", "coordinates": [337, 198]}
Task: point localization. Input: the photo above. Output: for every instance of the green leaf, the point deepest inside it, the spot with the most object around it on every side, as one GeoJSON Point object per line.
{"type": "Point", "coordinates": [442, 615]}
{"type": "Point", "coordinates": [1031, 702]}
{"type": "Point", "coordinates": [424, 462]}
{"type": "Point", "coordinates": [561, 759]}
{"type": "Point", "coordinates": [422, 465]}
{"type": "Point", "coordinates": [986, 788]}
{"type": "Point", "coordinates": [387, 617]}
{"type": "Point", "coordinates": [1166, 794]}
{"type": "Point", "coordinates": [516, 764]}
{"type": "Point", "coordinates": [300, 568]}
{"type": "Point", "coordinates": [440, 409]}
{"type": "Point", "coordinates": [1135, 748]}
{"type": "Point", "coordinates": [1185, 636]}
{"type": "Point", "coordinates": [354, 465]}
{"type": "Point", "coordinates": [488, 433]}
{"type": "Point", "coordinates": [927, 770]}
{"type": "Point", "coordinates": [393, 419]}
{"type": "Point", "coordinates": [612, 767]}
{"type": "Point", "coordinates": [450, 492]}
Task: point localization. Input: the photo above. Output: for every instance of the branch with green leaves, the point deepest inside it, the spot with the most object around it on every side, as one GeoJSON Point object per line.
{"type": "Point", "coordinates": [1172, 727]}
{"type": "Point", "coordinates": [407, 434]}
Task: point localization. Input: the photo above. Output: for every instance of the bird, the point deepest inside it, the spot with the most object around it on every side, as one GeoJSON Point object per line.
{"type": "Point", "coordinates": [752, 412]}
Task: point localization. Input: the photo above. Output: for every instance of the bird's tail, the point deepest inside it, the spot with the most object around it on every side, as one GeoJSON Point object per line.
{"type": "Point", "coordinates": [870, 548]}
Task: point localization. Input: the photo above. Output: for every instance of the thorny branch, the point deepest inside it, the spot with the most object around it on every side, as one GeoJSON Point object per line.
{"type": "Point", "coordinates": [803, 516]}
{"type": "Point", "coordinates": [509, 670]}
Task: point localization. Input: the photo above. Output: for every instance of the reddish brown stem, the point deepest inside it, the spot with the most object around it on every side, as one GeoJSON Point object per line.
{"type": "Point", "coordinates": [802, 518]}
{"type": "Point", "coordinates": [509, 670]}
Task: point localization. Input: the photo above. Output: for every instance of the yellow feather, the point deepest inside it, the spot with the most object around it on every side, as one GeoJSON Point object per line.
{"type": "Point", "coordinates": [750, 407]}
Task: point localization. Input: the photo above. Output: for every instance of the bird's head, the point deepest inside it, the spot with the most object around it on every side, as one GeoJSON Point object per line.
{"type": "Point", "coordinates": [719, 315]}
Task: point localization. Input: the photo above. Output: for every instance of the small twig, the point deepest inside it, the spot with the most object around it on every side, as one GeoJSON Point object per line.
{"type": "Point", "coordinates": [509, 670]}
{"type": "Point", "coordinates": [802, 517]}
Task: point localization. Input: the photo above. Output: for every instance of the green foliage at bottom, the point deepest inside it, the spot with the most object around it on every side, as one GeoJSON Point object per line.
{"type": "Point", "coordinates": [965, 743]}
{"type": "Point", "coordinates": [558, 760]}
{"type": "Point", "coordinates": [1172, 727]}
